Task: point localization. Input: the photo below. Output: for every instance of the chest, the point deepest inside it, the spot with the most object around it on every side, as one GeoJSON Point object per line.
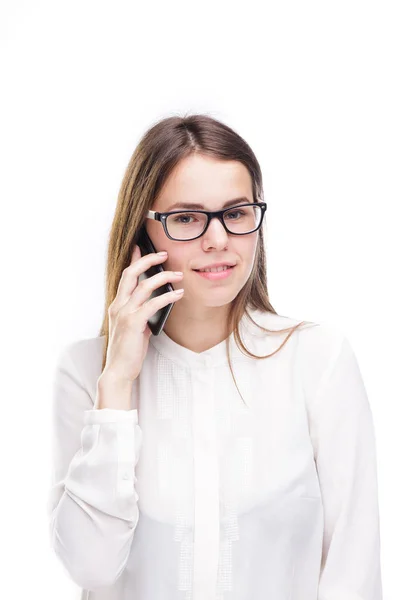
{"type": "Point", "coordinates": [200, 440]}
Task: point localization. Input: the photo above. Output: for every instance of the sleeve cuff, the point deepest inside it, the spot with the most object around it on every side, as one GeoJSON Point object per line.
{"type": "Point", "coordinates": [109, 415]}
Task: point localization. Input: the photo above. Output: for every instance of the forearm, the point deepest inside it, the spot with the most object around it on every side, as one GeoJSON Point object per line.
{"type": "Point", "coordinates": [96, 513]}
{"type": "Point", "coordinates": [113, 393]}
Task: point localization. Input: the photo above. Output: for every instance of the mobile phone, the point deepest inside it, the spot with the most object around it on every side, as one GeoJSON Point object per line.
{"type": "Point", "coordinates": [156, 321]}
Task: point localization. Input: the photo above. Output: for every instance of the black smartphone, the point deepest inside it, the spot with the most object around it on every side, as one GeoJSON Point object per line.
{"type": "Point", "coordinates": [157, 321]}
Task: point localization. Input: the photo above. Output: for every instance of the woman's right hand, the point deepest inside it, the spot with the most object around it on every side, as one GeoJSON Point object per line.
{"type": "Point", "coordinates": [128, 314]}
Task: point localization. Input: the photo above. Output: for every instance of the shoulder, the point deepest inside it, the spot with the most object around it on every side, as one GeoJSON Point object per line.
{"type": "Point", "coordinates": [318, 349]}
{"type": "Point", "coordinates": [82, 360]}
{"type": "Point", "coordinates": [311, 334]}
{"type": "Point", "coordinates": [316, 343]}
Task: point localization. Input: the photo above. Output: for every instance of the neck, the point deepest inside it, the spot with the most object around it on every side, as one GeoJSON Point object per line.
{"type": "Point", "coordinates": [197, 330]}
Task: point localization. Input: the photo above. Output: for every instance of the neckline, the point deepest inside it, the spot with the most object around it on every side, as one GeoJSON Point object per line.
{"type": "Point", "coordinates": [214, 356]}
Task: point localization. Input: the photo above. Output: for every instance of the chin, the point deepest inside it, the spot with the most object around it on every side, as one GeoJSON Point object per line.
{"type": "Point", "coordinates": [215, 299]}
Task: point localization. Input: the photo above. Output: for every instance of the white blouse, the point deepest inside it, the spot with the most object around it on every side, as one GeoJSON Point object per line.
{"type": "Point", "coordinates": [194, 495]}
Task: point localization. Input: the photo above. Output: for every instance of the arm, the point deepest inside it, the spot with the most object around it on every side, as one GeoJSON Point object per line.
{"type": "Point", "coordinates": [92, 505]}
{"type": "Point", "coordinates": [342, 431]}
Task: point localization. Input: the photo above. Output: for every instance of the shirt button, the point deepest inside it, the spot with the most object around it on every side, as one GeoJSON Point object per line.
{"type": "Point", "coordinates": [126, 476]}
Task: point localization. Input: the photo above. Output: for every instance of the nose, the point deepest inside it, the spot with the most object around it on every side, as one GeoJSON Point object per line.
{"type": "Point", "coordinates": [216, 235]}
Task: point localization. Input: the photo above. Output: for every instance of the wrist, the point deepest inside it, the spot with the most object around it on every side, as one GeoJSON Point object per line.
{"type": "Point", "coordinates": [113, 392]}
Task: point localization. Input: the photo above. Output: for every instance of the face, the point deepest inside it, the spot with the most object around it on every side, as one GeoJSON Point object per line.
{"type": "Point", "coordinates": [209, 182]}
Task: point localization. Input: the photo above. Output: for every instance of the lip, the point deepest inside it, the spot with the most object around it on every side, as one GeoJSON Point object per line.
{"type": "Point", "coordinates": [217, 264]}
{"type": "Point", "coordinates": [216, 276]}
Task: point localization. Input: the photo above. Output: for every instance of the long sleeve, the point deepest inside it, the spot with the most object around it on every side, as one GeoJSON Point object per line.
{"type": "Point", "coordinates": [92, 505]}
{"type": "Point", "coordinates": [342, 433]}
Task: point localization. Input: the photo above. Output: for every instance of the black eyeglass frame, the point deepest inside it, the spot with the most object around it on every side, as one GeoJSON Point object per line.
{"type": "Point", "coordinates": [162, 217]}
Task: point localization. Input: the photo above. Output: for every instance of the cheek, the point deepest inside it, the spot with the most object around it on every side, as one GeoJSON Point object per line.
{"type": "Point", "coordinates": [180, 256]}
{"type": "Point", "coordinates": [248, 252]}
{"type": "Point", "coordinates": [249, 257]}
{"type": "Point", "coordinates": [175, 260]}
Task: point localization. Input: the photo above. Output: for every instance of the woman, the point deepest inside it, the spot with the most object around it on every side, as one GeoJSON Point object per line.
{"type": "Point", "coordinates": [232, 456]}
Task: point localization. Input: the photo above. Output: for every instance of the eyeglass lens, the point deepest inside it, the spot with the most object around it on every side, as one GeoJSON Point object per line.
{"type": "Point", "coordinates": [187, 225]}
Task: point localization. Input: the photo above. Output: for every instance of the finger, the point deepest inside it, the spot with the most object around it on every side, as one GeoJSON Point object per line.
{"type": "Point", "coordinates": [143, 291]}
{"type": "Point", "coordinates": [136, 253]}
{"type": "Point", "coordinates": [152, 306]}
{"type": "Point", "coordinates": [130, 277]}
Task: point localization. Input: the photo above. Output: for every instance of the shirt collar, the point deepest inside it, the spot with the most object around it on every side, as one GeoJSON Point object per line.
{"type": "Point", "coordinates": [215, 356]}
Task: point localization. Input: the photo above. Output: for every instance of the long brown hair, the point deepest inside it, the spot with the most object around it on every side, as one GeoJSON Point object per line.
{"type": "Point", "coordinates": [158, 152]}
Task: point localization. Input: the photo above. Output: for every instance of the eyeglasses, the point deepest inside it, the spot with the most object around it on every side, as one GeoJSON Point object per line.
{"type": "Point", "coordinates": [183, 226]}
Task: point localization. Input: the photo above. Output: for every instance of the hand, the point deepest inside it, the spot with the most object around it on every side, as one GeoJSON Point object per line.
{"type": "Point", "coordinates": [128, 315]}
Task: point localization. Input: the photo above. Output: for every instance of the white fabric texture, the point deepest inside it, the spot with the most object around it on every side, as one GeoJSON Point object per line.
{"type": "Point", "coordinates": [194, 495]}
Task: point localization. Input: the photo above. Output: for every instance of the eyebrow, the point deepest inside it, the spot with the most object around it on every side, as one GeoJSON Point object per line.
{"type": "Point", "coordinates": [240, 200]}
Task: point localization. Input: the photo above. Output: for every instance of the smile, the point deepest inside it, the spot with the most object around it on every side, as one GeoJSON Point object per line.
{"type": "Point", "coordinates": [217, 274]}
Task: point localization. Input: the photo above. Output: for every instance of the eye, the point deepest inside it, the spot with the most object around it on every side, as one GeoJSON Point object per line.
{"type": "Point", "coordinates": [234, 212]}
{"type": "Point", "coordinates": [180, 219]}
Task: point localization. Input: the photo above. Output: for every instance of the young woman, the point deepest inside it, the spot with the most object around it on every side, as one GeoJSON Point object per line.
{"type": "Point", "coordinates": [232, 456]}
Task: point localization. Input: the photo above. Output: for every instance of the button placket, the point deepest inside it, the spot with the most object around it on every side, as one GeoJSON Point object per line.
{"type": "Point", "coordinates": [206, 486]}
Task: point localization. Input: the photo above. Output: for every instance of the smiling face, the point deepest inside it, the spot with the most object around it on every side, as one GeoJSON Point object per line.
{"type": "Point", "coordinates": [210, 183]}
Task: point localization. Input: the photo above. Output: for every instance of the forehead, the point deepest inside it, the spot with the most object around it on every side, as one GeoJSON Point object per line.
{"type": "Point", "coordinates": [206, 181]}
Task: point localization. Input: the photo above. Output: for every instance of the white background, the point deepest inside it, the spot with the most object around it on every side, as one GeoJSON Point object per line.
{"type": "Point", "coordinates": [313, 87]}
